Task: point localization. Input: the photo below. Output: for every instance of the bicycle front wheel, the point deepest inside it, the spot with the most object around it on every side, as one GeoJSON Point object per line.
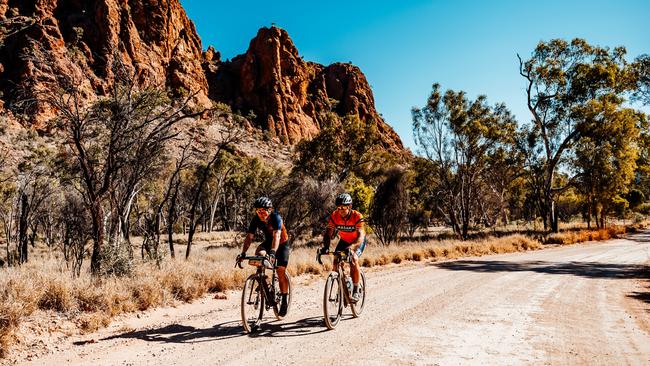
{"type": "Point", "coordinates": [332, 301]}
{"type": "Point", "coordinates": [278, 297]}
{"type": "Point", "coordinates": [357, 308]}
{"type": "Point", "coordinates": [252, 304]}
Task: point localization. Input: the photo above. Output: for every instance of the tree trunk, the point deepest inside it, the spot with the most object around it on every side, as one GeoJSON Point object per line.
{"type": "Point", "coordinates": [554, 219]}
{"type": "Point", "coordinates": [97, 213]}
{"type": "Point", "coordinates": [190, 236]}
{"type": "Point", "coordinates": [171, 212]}
{"type": "Point", "coordinates": [551, 211]}
{"type": "Point", "coordinates": [22, 228]}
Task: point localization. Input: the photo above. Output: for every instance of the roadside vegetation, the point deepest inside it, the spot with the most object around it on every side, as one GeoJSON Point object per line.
{"type": "Point", "coordinates": [91, 302]}
{"type": "Point", "coordinates": [113, 209]}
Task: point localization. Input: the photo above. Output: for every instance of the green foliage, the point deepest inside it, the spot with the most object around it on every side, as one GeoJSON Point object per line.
{"type": "Point", "coordinates": [574, 89]}
{"type": "Point", "coordinates": [619, 205]}
{"type": "Point", "coordinates": [341, 147]}
{"type": "Point", "coordinates": [361, 193]}
{"type": "Point", "coordinates": [605, 159]}
{"type": "Point", "coordinates": [466, 141]}
{"type": "Point", "coordinates": [243, 180]}
{"type": "Point", "coordinates": [221, 107]}
{"type": "Point", "coordinates": [635, 197]}
{"type": "Point", "coordinates": [569, 204]}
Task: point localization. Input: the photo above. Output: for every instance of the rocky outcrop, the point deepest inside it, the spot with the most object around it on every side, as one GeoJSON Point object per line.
{"type": "Point", "coordinates": [289, 96]}
{"type": "Point", "coordinates": [270, 84]}
{"type": "Point", "coordinates": [154, 39]}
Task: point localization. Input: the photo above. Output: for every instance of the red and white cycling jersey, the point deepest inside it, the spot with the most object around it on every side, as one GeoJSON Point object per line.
{"type": "Point", "coordinates": [347, 226]}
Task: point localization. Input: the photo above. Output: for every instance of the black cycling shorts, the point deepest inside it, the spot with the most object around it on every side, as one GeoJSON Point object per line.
{"type": "Point", "coordinates": [281, 255]}
{"type": "Point", "coordinates": [343, 245]}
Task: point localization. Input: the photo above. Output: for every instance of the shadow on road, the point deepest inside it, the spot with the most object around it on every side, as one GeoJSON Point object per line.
{"type": "Point", "coordinates": [178, 333]}
{"type": "Point", "coordinates": [583, 269]}
{"type": "Point", "coordinates": [640, 237]}
{"type": "Point", "coordinates": [301, 327]}
{"type": "Point", "coordinates": [642, 296]}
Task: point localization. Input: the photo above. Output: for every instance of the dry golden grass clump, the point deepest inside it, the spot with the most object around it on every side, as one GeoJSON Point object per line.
{"type": "Point", "coordinates": [10, 315]}
{"type": "Point", "coordinates": [19, 295]}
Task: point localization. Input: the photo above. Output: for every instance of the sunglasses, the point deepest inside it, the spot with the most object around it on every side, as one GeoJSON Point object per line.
{"type": "Point", "coordinates": [262, 211]}
{"type": "Point", "coordinates": [342, 207]}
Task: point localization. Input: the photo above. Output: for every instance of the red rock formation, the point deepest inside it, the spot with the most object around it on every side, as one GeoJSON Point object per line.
{"type": "Point", "coordinates": [288, 95]}
{"type": "Point", "coordinates": [153, 38]}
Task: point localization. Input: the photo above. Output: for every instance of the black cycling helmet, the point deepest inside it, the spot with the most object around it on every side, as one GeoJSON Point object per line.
{"type": "Point", "coordinates": [343, 199]}
{"type": "Point", "coordinates": [263, 202]}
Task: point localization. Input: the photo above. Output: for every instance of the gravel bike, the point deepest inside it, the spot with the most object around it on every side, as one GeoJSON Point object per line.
{"type": "Point", "coordinates": [338, 290]}
{"type": "Point", "coordinates": [258, 294]}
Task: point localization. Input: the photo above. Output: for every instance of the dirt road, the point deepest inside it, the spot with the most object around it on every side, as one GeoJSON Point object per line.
{"type": "Point", "coordinates": [577, 305]}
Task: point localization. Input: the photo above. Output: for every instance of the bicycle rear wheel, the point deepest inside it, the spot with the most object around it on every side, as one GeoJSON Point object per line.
{"type": "Point", "coordinates": [357, 308]}
{"type": "Point", "coordinates": [278, 297]}
{"type": "Point", "coordinates": [332, 301]}
{"type": "Point", "coordinates": [252, 303]}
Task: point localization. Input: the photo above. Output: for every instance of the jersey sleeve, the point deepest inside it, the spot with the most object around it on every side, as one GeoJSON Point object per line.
{"type": "Point", "coordinates": [330, 222]}
{"type": "Point", "coordinates": [276, 221]}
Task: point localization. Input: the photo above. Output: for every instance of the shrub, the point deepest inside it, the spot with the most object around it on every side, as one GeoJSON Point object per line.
{"type": "Point", "coordinates": [57, 296]}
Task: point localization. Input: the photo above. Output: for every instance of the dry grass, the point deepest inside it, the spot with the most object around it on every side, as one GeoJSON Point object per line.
{"type": "Point", "coordinates": [447, 249]}
{"type": "Point", "coordinates": [91, 303]}
{"type": "Point", "coordinates": [573, 237]}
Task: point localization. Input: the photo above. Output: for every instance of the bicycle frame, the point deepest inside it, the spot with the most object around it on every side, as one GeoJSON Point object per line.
{"type": "Point", "coordinates": [268, 289]}
{"type": "Point", "coordinates": [342, 258]}
{"type": "Point", "coordinates": [331, 294]}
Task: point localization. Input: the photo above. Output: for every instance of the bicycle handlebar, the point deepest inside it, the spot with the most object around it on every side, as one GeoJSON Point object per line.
{"type": "Point", "coordinates": [343, 254]}
{"type": "Point", "coordinates": [263, 259]}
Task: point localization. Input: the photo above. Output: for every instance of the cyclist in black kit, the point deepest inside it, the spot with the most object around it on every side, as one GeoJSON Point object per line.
{"type": "Point", "coordinates": [275, 244]}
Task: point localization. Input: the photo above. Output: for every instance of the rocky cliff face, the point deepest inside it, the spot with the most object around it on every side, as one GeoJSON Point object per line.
{"type": "Point", "coordinates": [154, 39]}
{"type": "Point", "coordinates": [288, 95]}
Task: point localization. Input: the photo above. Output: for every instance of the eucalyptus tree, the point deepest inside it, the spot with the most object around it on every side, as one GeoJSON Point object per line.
{"type": "Point", "coordinates": [561, 78]}
{"type": "Point", "coordinates": [605, 161]}
{"type": "Point", "coordinates": [459, 136]}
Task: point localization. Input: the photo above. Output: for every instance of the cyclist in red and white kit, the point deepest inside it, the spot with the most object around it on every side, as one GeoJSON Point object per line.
{"type": "Point", "coordinates": [349, 224]}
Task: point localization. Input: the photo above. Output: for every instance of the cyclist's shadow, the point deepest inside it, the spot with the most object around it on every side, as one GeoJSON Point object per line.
{"type": "Point", "coordinates": [289, 328]}
{"type": "Point", "coordinates": [178, 333]}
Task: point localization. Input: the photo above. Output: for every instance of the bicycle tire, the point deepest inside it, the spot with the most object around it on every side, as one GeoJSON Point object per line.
{"type": "Point", "coordinates": [357, 308]}
{"type": "Point", "coordinates": [278, 298]}
{"type": "Point", "coordinates": [252, 303]}
{"type": "Point", "coordinates": [332, 301]}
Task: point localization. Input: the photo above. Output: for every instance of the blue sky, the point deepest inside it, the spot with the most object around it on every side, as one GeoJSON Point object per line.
{"type": "Point", "coordinates": [403, 47]}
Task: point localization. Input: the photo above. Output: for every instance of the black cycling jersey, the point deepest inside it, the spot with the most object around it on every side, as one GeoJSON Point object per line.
{"type": "Point", "coordinates": [274, 223]}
